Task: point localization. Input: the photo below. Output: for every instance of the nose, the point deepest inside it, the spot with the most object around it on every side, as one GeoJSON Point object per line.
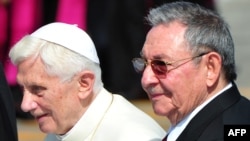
{"type": "Point", "coordinates": [148, 77]}
{"type": "Point", "coordinates": [28, 103]}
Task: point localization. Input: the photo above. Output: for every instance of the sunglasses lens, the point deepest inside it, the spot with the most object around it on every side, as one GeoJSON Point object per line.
{"type": "Point", "coordinates": [139, 64]}
{"type": "Point", "coordinates": [159, 67]}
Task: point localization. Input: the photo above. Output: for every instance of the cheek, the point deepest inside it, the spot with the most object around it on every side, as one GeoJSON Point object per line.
{"type": "Point", "coordinates": [187, 90]}
{"type": "Point", "coordinates": [182, 79]}
{"type": "Point", "coordinates": [57, 98]}
{"type": "Point", "coordinates": [177, 86]}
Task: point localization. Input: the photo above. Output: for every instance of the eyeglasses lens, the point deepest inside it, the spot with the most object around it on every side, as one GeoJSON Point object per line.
{"type": "Point", "coordinates": [139, 64]}
{"type": "Point", "coordinates": [159, 67]}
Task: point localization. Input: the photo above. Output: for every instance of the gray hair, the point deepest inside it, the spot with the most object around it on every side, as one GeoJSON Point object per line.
{"type": "Point", "coordinates": [206, 31]}
{"type": "Point", "coordinates": [58, 61]}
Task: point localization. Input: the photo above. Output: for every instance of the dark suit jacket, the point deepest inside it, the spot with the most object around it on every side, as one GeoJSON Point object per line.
{"type": "Point", "coordinates": [8, 127]}
{"type": "Point", "coordinates": [208, 125]}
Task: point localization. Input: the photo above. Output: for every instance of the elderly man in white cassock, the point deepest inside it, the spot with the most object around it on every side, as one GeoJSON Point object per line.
{"type": "Point", "coordinates": [59, 71]}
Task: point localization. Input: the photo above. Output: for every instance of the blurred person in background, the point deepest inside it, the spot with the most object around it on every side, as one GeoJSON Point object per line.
{"type": "Point", "coordinates": [59, 71]}
{"type": "Point", "coordinates": [188, 71]}
{"type": "Point", "coordinates": [8, 126]}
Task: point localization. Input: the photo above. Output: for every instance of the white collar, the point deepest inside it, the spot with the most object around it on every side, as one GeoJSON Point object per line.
{"type": "Point", "coordinates": [86, 126]}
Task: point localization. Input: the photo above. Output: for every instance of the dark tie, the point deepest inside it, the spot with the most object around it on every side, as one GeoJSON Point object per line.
{"type": "Point", "coordinates": [165, 138]}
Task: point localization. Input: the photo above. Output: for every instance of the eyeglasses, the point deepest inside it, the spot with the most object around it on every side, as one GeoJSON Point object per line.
{"type": "Point", "coordinates": [159, 67]}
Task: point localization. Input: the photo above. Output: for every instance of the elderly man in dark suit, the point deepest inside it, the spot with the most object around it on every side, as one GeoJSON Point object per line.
{"type": "Point", "coordinates": [188, 71]}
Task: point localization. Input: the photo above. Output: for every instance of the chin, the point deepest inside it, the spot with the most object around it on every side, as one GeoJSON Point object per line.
{"type": "Point", "coordinates": [158, 111]}
{"type": "Point", "coordinates": [161, 110]}
{"type": "Point", "coordinates": [46, 128]}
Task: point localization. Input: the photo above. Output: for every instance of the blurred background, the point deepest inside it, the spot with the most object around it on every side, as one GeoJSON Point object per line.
{"type": "Point", "coordinates": [118, 29]}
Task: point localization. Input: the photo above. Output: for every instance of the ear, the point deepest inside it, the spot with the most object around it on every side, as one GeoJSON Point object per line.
{"type": "Point", "coordinates": [86, 83]}
{"type": "Point", "coordinates": [213, 64]}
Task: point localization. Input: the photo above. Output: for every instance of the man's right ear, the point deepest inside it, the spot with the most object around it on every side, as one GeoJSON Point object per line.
{"type": "Point", "coordinates": [86, 83]}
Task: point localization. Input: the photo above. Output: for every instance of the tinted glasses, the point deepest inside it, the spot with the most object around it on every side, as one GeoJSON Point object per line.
{"type": "Point", "coordinates": [159, 67]}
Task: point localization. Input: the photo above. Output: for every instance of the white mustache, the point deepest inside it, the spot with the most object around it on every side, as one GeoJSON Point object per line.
{"type": "Point", "coordinates": [151, 90]}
